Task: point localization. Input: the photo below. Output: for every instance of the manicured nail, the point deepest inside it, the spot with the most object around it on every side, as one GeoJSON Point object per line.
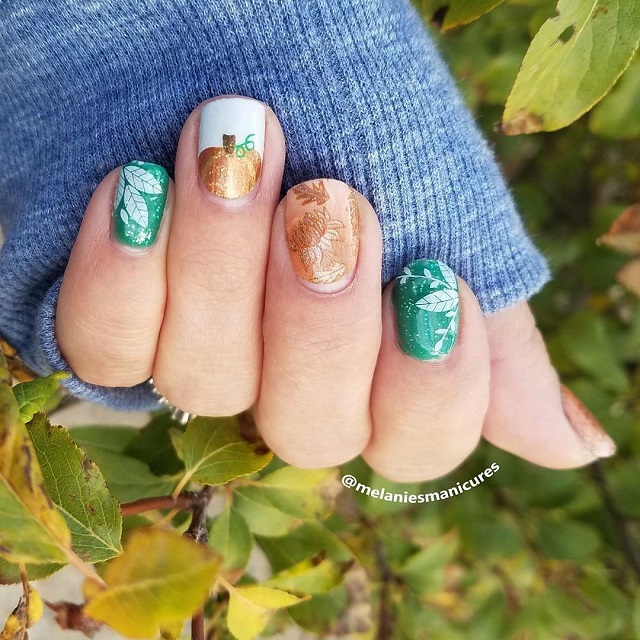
{"type": "Point", "coordinates": [587, 426]}
{"type": "Point", "coordinates": [231, 146]}
{"type": "Point", "coordinates": [322, 225]}
{"type": "Point", "coordinates": [139, 203]}
{"type": "Point", "coordinates": [427, 305]}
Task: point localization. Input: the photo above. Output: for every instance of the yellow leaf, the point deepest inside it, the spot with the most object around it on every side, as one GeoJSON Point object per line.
{"type": "Point", "coordinates": [35, 608]}
{"type": "Point", "coordinates": [25, 615]}
{"type": "Point", "coordinates": [251, 607]}
{"type": "Point", "coordinates": [160, 579]}
{"type": "Point", "coordinates": [31, 528]}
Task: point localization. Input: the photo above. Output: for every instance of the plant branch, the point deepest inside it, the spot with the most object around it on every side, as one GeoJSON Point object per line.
{"type": "Point", "coordinates": [386, 619]}
{"type": "Point", "coordinates": [198, 532]}
{"type": "Point", "coordinates": [181, 502]}
{"type": "Point", "coordinates": [621, 524]}
{"type": "Point", "coordinates": [197, 625]}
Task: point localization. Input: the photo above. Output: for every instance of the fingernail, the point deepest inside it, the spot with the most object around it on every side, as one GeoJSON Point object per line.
{"type": "Point", "coordinates": [138, 206]}
{"type": "Point", "coordinates": [231, 146]}
{"type": "Point", "coordinates": [322, 224]}
{"type": "Point", "coordinates": [426, 302]}
{"type": "Point", "coordinates": [587, 426]}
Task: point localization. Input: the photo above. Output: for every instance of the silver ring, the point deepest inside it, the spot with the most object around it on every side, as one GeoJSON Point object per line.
{"type": "Point", "coordinates": [177, 414]}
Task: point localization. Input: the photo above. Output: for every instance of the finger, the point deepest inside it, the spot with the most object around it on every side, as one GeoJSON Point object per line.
{"type": "Point", "coordinates": [321, 325]}
{"type": "Point", "coordinates": [114, 288]}
{"type": "Point", "coordinates": [431, 385]}
{"type": "Point", "coordinates": [529, 413]}
{"type": "Point", "coordinates": [228, 174]}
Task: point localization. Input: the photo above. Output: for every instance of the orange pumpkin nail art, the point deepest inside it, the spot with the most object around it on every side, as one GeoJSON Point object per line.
{"type": "Point", "coordinates": [231, 146]}
{"type": "Point", "coordinates": [322, 225]}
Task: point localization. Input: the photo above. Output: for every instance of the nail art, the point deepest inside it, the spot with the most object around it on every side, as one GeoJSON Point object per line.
{"type": "Point", "coordinates": [138, 206]}
{"type": "Point", "coordinates": [322, 225]}
{"type": "Point", "coordinates": [426, 301]}
{"type": "Point", "coordinates": [231, 146]}
{"type": "Point", "coordinates": [587, 426]}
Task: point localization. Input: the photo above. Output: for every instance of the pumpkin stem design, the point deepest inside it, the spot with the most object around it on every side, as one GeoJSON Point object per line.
{"type": "Point", "coordinates": [229, 143]}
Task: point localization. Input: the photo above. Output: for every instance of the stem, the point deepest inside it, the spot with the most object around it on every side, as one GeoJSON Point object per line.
{"type": "Point", "coordinates": [197, 625]}
{"type": "Point", "coordinates": [85, 569]}
{"type": "Point", "coordinates": [198, 532]}
{"type": "Point", "coordinates": [25, 581]}
{"type": "Point", "coordinates": [167, 518]}
{"type": "Point", "coordinates": [181, 485]}
{"type": "Point", "coordinates": [385, 617]}
{"type": "Point", "coordinates": [180, 502]}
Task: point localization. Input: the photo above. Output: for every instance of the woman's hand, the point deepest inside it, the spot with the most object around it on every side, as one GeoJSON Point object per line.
{"type": "Point", "coordinates": [231, 300]}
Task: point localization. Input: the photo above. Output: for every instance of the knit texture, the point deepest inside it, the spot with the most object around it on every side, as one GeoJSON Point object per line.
{"type": "Point", "coordinates": [361, 92]}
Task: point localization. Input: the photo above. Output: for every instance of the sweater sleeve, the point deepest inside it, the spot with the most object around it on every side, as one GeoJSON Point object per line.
{"type": "Point", "coordinates": [362, 94]}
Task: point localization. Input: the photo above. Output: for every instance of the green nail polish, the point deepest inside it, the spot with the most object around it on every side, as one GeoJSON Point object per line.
{"type": "Point", "coordinates": [139, 203]}
{"type": "Point", "coordinates": [425, 297]}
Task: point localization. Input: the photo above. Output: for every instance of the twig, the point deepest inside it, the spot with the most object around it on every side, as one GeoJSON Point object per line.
{"type": "Point", "coordinates": [197, 625]}
{"type": "Point", "coordinates": [621, 524]}
{"type": "Point", "coordinates": [385, 617]}
{"type": "Point", "coordinates": [198, 532]}
{"type": "Point", "coordinates": [181, 502]}
{"type": "Point", "coordinates": [386, 621]}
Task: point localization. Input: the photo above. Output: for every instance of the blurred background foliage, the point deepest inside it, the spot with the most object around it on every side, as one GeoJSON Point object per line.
{"type": "Point", "coordinates": [536, 554]}
{"type": "Point", "coordinates": [530, 554]}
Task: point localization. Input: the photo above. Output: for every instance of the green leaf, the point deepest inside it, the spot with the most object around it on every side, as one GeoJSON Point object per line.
{"type": "Point", "coordinates": [214, 452]}
{"type": "Point", "coordinates": [161, 578]}
{"type": "Point", "coordinates": [229, 535]}
{"type": "Point", "coordinates": [636, 614]}
{"type": "Point", "coordinates": [31, 529]}
{"type": "Point", "coordinates": [593, 609]}
{"type": "Point", "coordinates": [322, 613]}
{"type": "Point", "coordinates": [128, 479]}
{"type": "Point", "coordinates": [623, 482]}
{"type": "Point", "coordinates": [33, 396]}
{"type": "Point", "coordinates": [306, 541]}
{"type": "Point", "coordinates": [312, 576]}
{"type": "Point", "coordinates": [251, 607]}
{"type": "Point", "coordinates": [77, 487]}
{"type": "Point", "coordinates": [618, 115]}
{"type": "Point", "coordinates": [586, 341]}
{"type": "Point", "coordinates": [568, 540]}
{"type": "Point", "coordinates": [262, 519]}
{"type": "Point", "coordinates": [277, 504]}
{"type": "Point", "coordinates": [461, 12]}
{"type": "Point", "coordinates": [153, 445]}
{"type": "Point", "coordinates": [10, 573]}
{"type": "Point", "coordinates": [109, 438]}
{"type": "Point", "coordinates": [424, 572]}
{"type": "Point", "coordinates": [572, 63]}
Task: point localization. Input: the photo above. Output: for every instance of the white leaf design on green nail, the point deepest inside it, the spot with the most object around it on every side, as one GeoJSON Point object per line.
{"type": "Point", "coordinates": [443, 300]}
{"type": "Point", "coordinates": [449, 276]}
{"type": "Point", "coordinates": [142, 180]}
{"type": "Point", "coordinates": [119, 192]}
{"type": "Point", "coordinates": [135, 206]}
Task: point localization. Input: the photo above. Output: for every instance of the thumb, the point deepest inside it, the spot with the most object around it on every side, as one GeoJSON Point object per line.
{"type": "Point", "coordinates": [530, 413]}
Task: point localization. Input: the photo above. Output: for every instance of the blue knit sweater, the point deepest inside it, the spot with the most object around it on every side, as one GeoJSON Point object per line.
{"type": "Point", "coordinates": [359, 88]}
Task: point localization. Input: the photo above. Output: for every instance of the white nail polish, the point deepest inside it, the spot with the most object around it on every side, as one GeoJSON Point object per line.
{"type": "Point", "coordinates": [231, 146]}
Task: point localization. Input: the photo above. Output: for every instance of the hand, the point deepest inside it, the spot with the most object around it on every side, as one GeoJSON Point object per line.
{"type": "Point", "coordinates": [231, 300]}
